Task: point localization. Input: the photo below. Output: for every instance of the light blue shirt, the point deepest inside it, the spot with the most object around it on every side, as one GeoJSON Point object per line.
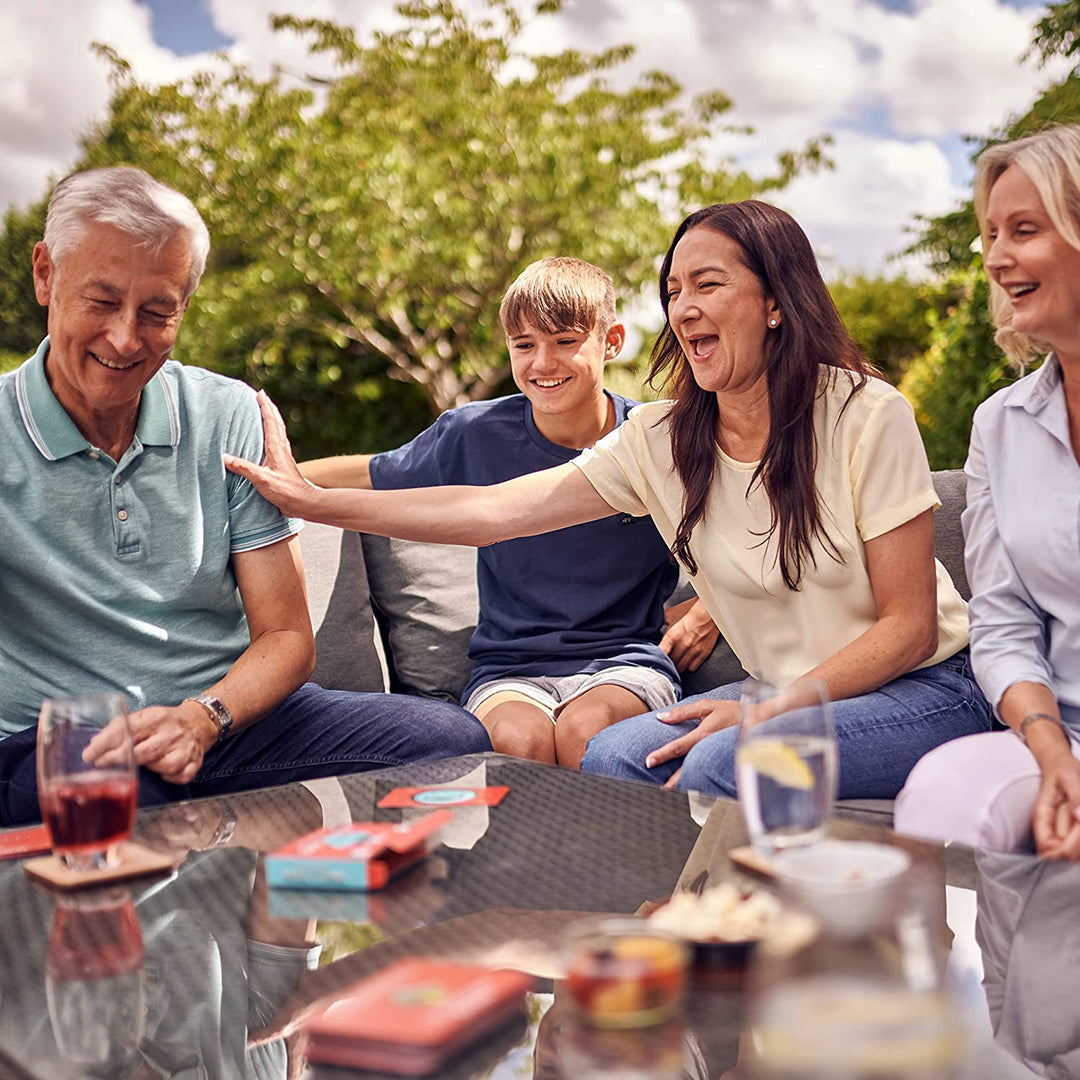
{"type": "Point", "coordinates": [1022, 541]}
{"type": "Point", "coordinates": [118, 574]}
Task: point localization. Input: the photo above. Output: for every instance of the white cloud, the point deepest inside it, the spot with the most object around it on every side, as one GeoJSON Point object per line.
{"type": "Point", "coordinates": [856, 215]}
{"type": "Point", "coordinates": [888, 84]}
{"type": "Point", "coordinates": [953, 66]}
{"type": "Point", "coordinates": [53, 88]}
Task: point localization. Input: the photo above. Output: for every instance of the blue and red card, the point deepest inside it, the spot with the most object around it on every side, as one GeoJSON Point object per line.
{"type": "Point", "coordinates": [361, 855]}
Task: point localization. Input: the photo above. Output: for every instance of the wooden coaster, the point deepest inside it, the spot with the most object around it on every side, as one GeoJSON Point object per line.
{"type": "Point", "coordinates": [135, 861]}
{"type": "Point", "coordinates": [752, 860]}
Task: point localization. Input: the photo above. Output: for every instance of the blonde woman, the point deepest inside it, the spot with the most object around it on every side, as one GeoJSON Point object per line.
{"type": "Point", "coordinates": [1004, 790]}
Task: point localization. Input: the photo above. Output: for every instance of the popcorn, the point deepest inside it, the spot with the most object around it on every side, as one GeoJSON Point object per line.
{"type": "Point", "coordinates": [722, 913]}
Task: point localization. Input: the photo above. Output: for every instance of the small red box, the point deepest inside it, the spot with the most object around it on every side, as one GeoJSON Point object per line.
{"type": "Point", "coordinates": [415, 1015]}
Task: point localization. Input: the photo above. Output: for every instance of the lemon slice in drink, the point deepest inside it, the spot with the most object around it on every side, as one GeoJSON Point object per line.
{"type": "Point", "coordinates": [778, 761]}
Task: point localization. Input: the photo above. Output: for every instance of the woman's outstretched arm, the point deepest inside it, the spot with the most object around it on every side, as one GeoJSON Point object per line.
{"type": "Point", "coordinates": [475, 516]}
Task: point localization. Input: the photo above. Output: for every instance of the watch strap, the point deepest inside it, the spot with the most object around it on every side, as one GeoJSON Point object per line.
{"type": "Point", "coordinates": [216, 710]}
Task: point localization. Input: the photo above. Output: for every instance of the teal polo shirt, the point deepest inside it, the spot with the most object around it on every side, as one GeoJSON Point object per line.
{"type": "Point", "coordinates": [118, 575]}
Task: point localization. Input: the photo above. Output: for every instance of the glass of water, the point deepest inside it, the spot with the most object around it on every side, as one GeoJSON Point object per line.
{"type": "Point", "coordinates": [785, 763]}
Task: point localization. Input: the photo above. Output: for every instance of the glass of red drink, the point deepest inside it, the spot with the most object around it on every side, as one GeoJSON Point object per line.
{"type": "Point", "coordinates": [86, 777]}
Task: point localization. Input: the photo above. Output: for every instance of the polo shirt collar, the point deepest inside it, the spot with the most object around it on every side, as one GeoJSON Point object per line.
{"type": "Point", "coordinates": [54, 433]}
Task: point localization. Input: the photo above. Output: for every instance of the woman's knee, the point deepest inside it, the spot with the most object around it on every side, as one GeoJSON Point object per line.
{"type": "Point", "coordinates": [621, 750]}
{"type": "Point", "coordinates": [710, 765]}
{"type": "Point", "coordinates": [976, 790]}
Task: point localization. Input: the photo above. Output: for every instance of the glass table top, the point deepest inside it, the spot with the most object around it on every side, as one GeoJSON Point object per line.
{"type": "Point", "coordinates": [207, 972]}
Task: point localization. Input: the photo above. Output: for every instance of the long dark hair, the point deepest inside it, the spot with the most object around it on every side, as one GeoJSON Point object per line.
{"type": "Point", "coordinates": [811, 334]}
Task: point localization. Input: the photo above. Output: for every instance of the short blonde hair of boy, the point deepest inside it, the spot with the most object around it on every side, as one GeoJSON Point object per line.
{"type": "Point", "coordinates": [559, 293]}
{"type": "Point", "coordinates": [1051, 161]}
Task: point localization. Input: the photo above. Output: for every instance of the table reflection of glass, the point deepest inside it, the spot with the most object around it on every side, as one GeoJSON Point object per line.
{"type": "Point", "coordinates": [95, 982]}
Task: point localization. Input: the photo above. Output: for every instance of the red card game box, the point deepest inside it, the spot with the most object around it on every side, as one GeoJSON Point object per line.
{"type": "Point", "coordinates": [15, 843]}
{"type": "Point", "coordinates": [361, 855]}
{"type": "Point", "coordinates": [444, 796]}
{"type": "Point", "coordinates": [415, 1015]}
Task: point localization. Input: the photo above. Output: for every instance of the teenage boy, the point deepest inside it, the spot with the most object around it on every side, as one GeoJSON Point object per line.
{"type": "Point", "coordinates": [569, 634]}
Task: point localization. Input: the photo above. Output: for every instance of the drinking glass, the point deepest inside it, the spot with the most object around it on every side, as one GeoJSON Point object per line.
{"type": "Point", "coordinates": [785, 763]}
{"type": "Point", "coordinates": [87, 793]}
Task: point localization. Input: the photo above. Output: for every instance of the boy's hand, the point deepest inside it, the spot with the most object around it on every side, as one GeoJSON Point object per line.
{"type": "Point", "coordinates": [690, 636]}
{"type": "Point", "coordinates": [279, 480]}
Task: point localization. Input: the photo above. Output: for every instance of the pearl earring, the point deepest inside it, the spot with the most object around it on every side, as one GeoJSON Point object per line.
{"type": "Point", "coordinates": [773, 323]}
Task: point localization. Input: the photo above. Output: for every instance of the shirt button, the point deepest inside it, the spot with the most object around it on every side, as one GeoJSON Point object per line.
{"type": "Point", "coordinates": [94, 454]}
{"type": "Point", "coordinates": [122, 515]}
{"type": "Point", "coordinates": [118, 479]}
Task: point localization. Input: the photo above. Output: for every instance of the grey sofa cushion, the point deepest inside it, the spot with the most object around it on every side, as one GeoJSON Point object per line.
{"type": "Point", "coordinates": [349, 653]}
{"type": "Point", "coordinates": [425, 595]}
{"type": "Point", "coordinates": [951, 488]}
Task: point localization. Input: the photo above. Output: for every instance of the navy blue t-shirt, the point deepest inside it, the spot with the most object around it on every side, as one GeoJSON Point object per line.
{"type": "Point", "coordinates": [573, 601]}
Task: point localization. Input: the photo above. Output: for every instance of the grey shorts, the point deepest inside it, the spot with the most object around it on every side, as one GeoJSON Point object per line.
{"type": "Point", "coordinates": [554, 693]}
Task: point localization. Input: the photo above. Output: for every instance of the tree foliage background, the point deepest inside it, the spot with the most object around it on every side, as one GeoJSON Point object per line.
{"type": "Point", "coordinates": [367, 218]}
{"type": "Point", "coordinates": [962, 366]}
{"type": "Point", "coordinates": [367, 222]}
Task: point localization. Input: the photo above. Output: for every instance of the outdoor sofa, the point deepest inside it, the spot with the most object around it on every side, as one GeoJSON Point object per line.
{"type": "Point", "coordinates": [397, 615]}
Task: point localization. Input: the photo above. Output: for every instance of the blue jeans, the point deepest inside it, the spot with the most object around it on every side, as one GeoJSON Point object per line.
{"type": "Point", "coordinates": [312, 733]}
{"type": "Point", "coordinates": [879, 735]}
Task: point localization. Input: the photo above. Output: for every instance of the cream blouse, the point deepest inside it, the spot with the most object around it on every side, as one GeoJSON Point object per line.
{"type": "Point", "coordinates": [872, 476]}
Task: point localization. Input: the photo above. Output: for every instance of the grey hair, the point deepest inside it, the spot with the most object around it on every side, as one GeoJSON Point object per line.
{"type": "Point", "coordinates": [130, 200]}
{"type": "Point", "coordinates": [1051, 161]}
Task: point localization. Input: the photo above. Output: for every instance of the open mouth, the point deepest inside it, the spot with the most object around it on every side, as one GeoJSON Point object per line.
{"type": "Point", "coordinates": [1017, 291]}
{"type": "Point", "coordinates": [549, 384]}
{"type": "Point", "coordinates": [113, 365]}
{"type": "Point", "coordinates": [701, 347]}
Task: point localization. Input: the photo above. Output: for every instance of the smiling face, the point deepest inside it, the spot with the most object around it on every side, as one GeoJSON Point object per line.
{"type": "Point", "coordinates": [562, 375]}
{"type": "Point", "coordinates": [1035, 266]}
{"type": "Point", "coordinates": [718, 311]}
{"type": "Point", "coordinates": [114, 311]}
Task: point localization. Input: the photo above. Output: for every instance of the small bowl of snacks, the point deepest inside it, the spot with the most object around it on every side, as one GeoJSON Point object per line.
{"type": "Point", "coordinates": [850, 886]}
{"type": "Point", "coordinates": [625, 973]}
{"type": "Point", "coordinates": [725, 924]}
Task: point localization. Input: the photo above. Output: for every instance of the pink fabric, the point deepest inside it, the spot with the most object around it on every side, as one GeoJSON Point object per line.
{"type": "Point", "coordinates": [979, 790]}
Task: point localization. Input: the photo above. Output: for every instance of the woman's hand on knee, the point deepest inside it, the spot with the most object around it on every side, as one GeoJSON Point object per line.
{"type": "Point", "coordinates": [1055, 820]}
{"type": "Point", "coordinates": [712, 715]}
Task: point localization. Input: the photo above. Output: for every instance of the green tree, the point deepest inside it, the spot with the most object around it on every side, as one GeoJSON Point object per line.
{"type": "Point", "coordinates": [888, 317]}
{"type": "Point", "coordinates": [961, 368]}
{"type": "Point", "coordinates": [366, 224]}
{"type": "Point", "coordinates": [22, 318]}
{"type": "Point", "coordinates": [962, 365]}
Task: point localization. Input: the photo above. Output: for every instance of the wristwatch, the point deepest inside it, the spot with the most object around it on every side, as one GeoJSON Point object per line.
{"type": "Point", "coordinates": [218, 713]}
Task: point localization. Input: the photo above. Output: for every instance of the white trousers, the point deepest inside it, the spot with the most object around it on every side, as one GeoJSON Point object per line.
{"type": "Point", "coordinates": [979, 790]}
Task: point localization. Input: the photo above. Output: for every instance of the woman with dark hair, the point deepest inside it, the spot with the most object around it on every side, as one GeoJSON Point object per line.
{"type": "Point", "coordinates": [791, 484]}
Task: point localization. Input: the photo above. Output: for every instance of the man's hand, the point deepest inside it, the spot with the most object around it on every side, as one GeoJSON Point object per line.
{"type": "Point", "coordinates": [690, 635]}
{"type": "Point", "coordinates": [172, 740]}
{"type": "Point", "coordinates": [713, 715]}
{"type": "Point", "coordinates": [279, 480]}
{"type": "Point", "coordinates": [1056, 818]}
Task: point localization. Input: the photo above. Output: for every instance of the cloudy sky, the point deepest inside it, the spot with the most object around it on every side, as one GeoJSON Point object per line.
{"type": "Point", "coordinates": [897, 83]}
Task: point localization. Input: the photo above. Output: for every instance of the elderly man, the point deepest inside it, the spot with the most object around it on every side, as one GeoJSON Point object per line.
{"type": "Point", "coordinates": [132, 560]}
